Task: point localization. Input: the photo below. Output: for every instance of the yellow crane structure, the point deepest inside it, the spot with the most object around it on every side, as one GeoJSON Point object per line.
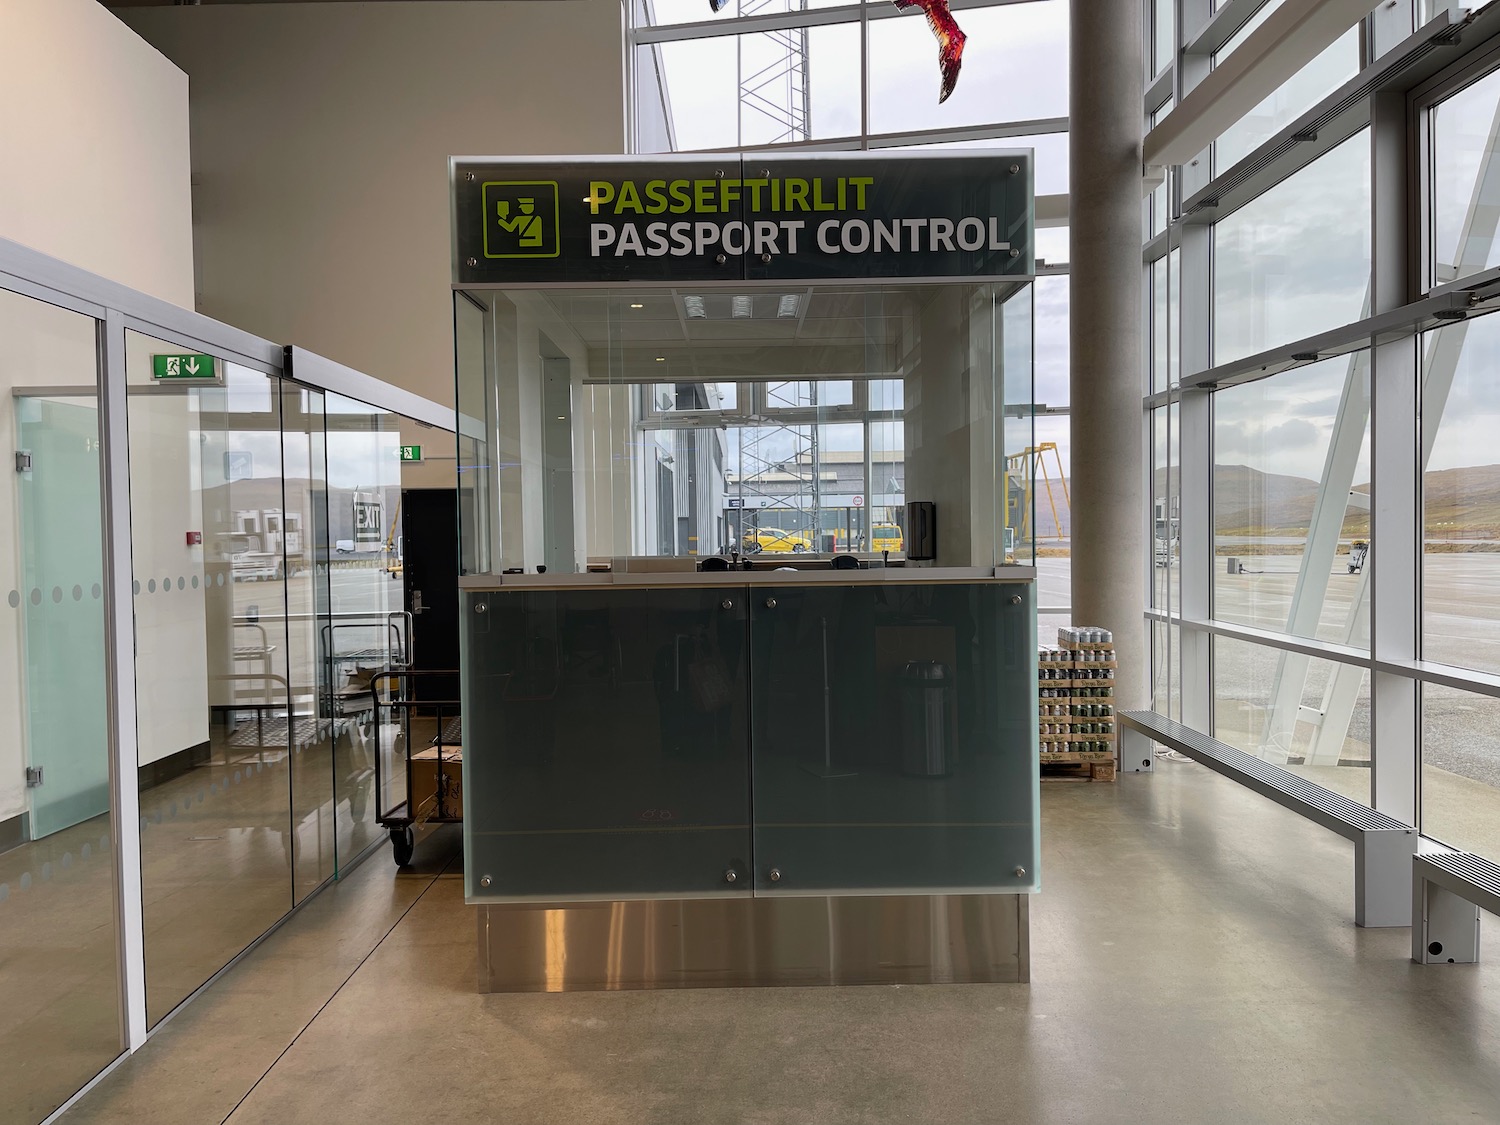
{"type": "Point", "coordinates": [1031, 465]}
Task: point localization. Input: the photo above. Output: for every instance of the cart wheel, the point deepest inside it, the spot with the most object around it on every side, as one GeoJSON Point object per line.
{"type": "Point", "coordinates": [402, 843]}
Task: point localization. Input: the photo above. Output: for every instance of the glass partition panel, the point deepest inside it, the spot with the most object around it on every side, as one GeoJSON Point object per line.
{"type": "Point", "coordinates": [770, 420]}
{"type": "Point", "coordinates": [1291, 496]}
{"type": "Point", "coordinates": [1296, 260]}
{"type": "Point", "coordinates": [1461, 769]}
{"type": "Point", "coordinates": [894, 730]}
{"type": "Point", "coordinates": [303, 527]}
{"type": "Point", "coordinates": [60, 1018]}
{"type": "Point", "coordinates": [368, 630]}
{"type": "Point", "coordinates": [1461, 495]}
{"type": "Point", "coordinates": [217, 714]}
{"type": "Point", "coordinates": [1311, 717]}
{"type": "Point", "coordinates": [615, 743]}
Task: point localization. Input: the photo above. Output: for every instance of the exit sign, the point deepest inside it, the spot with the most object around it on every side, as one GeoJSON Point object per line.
{"type": "Point", "coordinates": [183, 367]}
{"type": "Point", "coordinates": [411, 453]}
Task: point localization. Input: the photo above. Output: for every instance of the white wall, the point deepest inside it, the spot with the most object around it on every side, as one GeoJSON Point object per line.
{"type": "Point", "coordinates": [94, 137]}
{"type": "Point", "coordinates": [321, 134]}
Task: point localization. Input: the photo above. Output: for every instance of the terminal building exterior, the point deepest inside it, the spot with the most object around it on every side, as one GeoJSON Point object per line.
{"type": "Point", "coordinates": [680, 608]}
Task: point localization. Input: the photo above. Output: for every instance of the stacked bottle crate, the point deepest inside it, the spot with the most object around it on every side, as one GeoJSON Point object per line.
{"type": "Point", "coordinates": [1076, 704]}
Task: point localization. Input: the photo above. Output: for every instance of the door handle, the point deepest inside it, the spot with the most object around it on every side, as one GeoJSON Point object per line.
{"type": "Point", "coordinates": [416, 602]}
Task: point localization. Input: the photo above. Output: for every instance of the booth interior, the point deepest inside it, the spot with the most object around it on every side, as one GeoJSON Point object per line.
{"type": "Point", "coordinates": [749, 624]}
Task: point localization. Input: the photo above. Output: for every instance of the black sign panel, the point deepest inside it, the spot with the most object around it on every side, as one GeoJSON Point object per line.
{"type": "Point", "coordinates": [731, 218]}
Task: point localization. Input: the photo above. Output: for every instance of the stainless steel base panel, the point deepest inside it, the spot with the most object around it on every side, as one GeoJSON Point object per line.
{"type": "Point", "coordinates": [732, 942]}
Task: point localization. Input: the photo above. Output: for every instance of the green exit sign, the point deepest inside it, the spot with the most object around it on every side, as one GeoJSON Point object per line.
{"type": "Point", "coordinates": [183, 367]}
{"type": "Point", "coordinates": [411, 453]}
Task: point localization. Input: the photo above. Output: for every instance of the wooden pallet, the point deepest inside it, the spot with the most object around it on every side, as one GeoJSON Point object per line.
{"type": "Point", "coordinates": [1077, 771]}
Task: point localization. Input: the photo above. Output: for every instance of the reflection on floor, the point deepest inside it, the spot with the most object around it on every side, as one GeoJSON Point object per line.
{"type": "Point", "coordinates": [217, 845]}
{"type": "Point", "coordinates": [1194, 960]}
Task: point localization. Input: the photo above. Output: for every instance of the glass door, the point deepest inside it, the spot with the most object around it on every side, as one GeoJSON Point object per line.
{"type": "Point", "coordinates": [60, 994]}
{"type": "Point", "coordinates": [62, 570]}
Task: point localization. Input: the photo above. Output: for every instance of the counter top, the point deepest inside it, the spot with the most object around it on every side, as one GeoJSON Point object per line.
{"type": "Point", "coordinates": [676, 579]}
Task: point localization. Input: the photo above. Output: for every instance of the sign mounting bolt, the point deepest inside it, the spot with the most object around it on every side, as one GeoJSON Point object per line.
{"type": "Point", "coordinates": [1015, 169]}
{"type": "Point", "coordinates": [765, 257]}
{"type": "Point", "coordinates": [469, 176]}
{"type": "Point", "coordinates": [471, 261]}
{"type": "Point", "coordinates": [721, 259]}
{"type": "Point", "coordinates": [1015, 253]}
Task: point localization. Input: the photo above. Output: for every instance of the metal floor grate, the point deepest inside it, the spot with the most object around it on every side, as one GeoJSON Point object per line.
{"type": "Point", "coordinates": [1198, 745]}
{"type": "Point", "coordinates": [1484, 874]}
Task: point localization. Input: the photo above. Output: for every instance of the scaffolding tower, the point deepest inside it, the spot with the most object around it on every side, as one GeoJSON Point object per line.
{"type": "Point", "coordinates": [775, 102]}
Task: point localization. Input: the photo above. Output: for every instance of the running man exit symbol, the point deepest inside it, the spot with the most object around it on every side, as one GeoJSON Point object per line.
{"type": "Point", "coordinates": [522, 219]}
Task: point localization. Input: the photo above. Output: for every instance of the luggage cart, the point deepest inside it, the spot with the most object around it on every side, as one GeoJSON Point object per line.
{"type": "Point", "coordinates": [351, 694]}
{"type": "Point", "coordinates": [418, 756]}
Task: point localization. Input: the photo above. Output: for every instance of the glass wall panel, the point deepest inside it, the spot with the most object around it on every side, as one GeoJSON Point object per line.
{"type": "Point", "coordinates": [616, 438]}
{"type": "Point", "coordinates": [60, 1015]}
{"type": "Point", "coordinates": [1461, 769]}
{"type": "Point", "coordinates": [1296, 260]}
{"type": "Point", "coordinates": [1163, 34]}
{"type": "Point", "coordinates": [303, 524]}
{"type": "Point", "coordinates": [1166, 308]}
{"type": "Point", "coordinates": [217, 713]}
{"type": "Point", "coordinates": [1464, 132]}
{"type": "Point", "coordinates": [731, 91]}
{"type": "Point", "coordinates": [1158, 205]}
{"type": "Point", "coordinates": [1015, 69]}
{"type": "Point", "coordinates": [1461, 495]}
{"type": "Point", "coordinates": [369, 629]}
{"type": "Point", "coordinates": [1233, 43]}
{"type": "Point", "coordinates": [661, 13]}
{"type": "Point", "coordinates": [1311, 717]}
{"type": "Point", "coordinates": [1166, 550]}
{"type": "Point", "coordinates": [1291, 496]}
{"type": "Point", "coordinates": [1338, 63]}
{"type": "Point", "coordinates": [1166, 669]}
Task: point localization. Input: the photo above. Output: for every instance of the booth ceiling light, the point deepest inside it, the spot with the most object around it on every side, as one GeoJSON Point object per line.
{"type": "Point", "coordinates": [739, 306]}
{"type": "Point", "coordinates": [637, 306]}
{"type": "Point", "coordinates": [694, 307]}
{"type": "Point", "coordinates": [787, 306]}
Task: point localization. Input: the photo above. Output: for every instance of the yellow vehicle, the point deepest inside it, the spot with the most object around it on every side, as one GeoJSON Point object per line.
{"type": "Point", "coordinates": [775, 540]}
{"type": "Point", "coordinates": [886, 537]}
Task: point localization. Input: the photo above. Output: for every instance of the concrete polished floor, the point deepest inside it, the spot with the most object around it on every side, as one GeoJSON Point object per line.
{"type": "Point", "coordinates": [1194, 960]}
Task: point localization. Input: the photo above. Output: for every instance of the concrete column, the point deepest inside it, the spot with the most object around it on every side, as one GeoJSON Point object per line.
{"type": "Point", "coordinates": [1108, 434]}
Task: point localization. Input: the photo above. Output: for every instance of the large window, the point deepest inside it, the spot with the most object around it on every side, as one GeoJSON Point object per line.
{"type": "Point", "coordinates": [709, 82]}
{"type": "Point", "coordinates": [1461, 495]}
{"type": "Point", "coordinates": [1465, 128]}
{"type": "Point", "coordinates": [1291, 491]}
{"type": "Point", "coordinates": [1352, 506]}
{"type": "Point", "coordinates": [1295, 261]}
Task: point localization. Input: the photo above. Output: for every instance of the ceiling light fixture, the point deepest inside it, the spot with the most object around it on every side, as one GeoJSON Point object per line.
{"type": "Point", "coordinates": [661, 359]}
{"type": "Point", "coordinates": [637, 306]}
{"type": "Point", "coordinates": [788, 305]}
{"type": "Point", "coordinates": [739, 307]}
{"type": "Point", "coordinates": [694, 307]}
